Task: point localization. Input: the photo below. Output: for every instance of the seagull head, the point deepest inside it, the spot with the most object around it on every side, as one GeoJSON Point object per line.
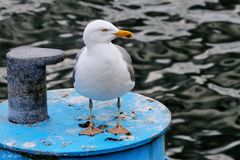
{"type": "Point", "coordinates": [100, 31]}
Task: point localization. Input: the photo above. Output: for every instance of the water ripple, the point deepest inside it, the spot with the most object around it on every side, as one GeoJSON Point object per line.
{"type": "Point", "coordinates": [185, 54]}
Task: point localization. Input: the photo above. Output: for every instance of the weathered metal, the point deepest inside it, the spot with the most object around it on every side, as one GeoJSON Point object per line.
{"type": "Point", "coordinates": [145, 118]}
{"type": "Point", "coordinates": [26, 75]}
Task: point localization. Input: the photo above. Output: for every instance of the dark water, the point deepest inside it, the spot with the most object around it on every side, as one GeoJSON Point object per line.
{"type": "Point", "coordinates": [185, 54]}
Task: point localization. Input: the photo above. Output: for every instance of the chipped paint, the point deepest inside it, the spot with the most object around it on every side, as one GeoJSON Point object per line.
{"type": "Point", "coordinates": [152, 120]}
{"type": "Point", "coordinates": [150, 100]}
{"type": "Point", "coordinates": [10, 142]}
{"type": "Point", "coordinates": [65, 144]}
{"type": "Point", "coordinates": [144, 109]}
{"type": "Point", "coordinates": [88, 147]}
{"type": "Point", "coordinates": [59, 135]}
{"type": "Point", "coordinates": [129, 138]}
{"type": "Point", "coordinates": [46, 142]}
{"type": "Point", "coordinates": [29, 145]}
{"type": "Point", "coordinates": [72, 101]}
{"type": "Point", "coordinates": [72, 131]}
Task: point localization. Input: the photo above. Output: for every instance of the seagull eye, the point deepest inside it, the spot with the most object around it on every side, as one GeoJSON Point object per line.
{"type": "Point", "coordinates": [105, 30]}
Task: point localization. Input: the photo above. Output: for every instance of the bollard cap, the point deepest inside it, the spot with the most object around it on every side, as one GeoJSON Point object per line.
{"type": "Point", "coordinates": [35, 55]}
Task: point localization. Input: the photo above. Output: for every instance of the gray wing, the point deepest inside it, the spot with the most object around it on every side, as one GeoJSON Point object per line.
{"type": "Point", "coordinates": [128, 60]}
{"type": "Point", "coordinates": [77, 57]}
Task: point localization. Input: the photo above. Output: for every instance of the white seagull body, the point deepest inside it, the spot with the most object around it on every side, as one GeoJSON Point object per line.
{"type": "Point", "coordinates": [103, 71]}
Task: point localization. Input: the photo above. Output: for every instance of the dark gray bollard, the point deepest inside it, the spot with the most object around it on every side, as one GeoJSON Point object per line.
{"type": "Point", "coordinates": [26, 72]}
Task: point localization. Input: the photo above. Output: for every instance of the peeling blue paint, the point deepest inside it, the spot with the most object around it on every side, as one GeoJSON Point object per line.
{"type": "Point", "coordinates": [146, 119]}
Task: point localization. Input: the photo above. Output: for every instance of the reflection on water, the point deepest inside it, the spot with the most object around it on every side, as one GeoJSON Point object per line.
{"type": "Point", "coordinates": [185, 54]}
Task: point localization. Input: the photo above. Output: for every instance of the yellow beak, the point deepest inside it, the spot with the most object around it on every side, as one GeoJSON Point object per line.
{"type": "Point", "coordinates": [124, 33]}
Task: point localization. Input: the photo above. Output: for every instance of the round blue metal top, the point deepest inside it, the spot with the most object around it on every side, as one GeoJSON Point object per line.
{"type": "Point", "coordinates": [144, 117]}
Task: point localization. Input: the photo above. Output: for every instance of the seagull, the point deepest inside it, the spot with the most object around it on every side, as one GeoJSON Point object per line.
{"type": "Point", "coordinates": [103, 70]}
